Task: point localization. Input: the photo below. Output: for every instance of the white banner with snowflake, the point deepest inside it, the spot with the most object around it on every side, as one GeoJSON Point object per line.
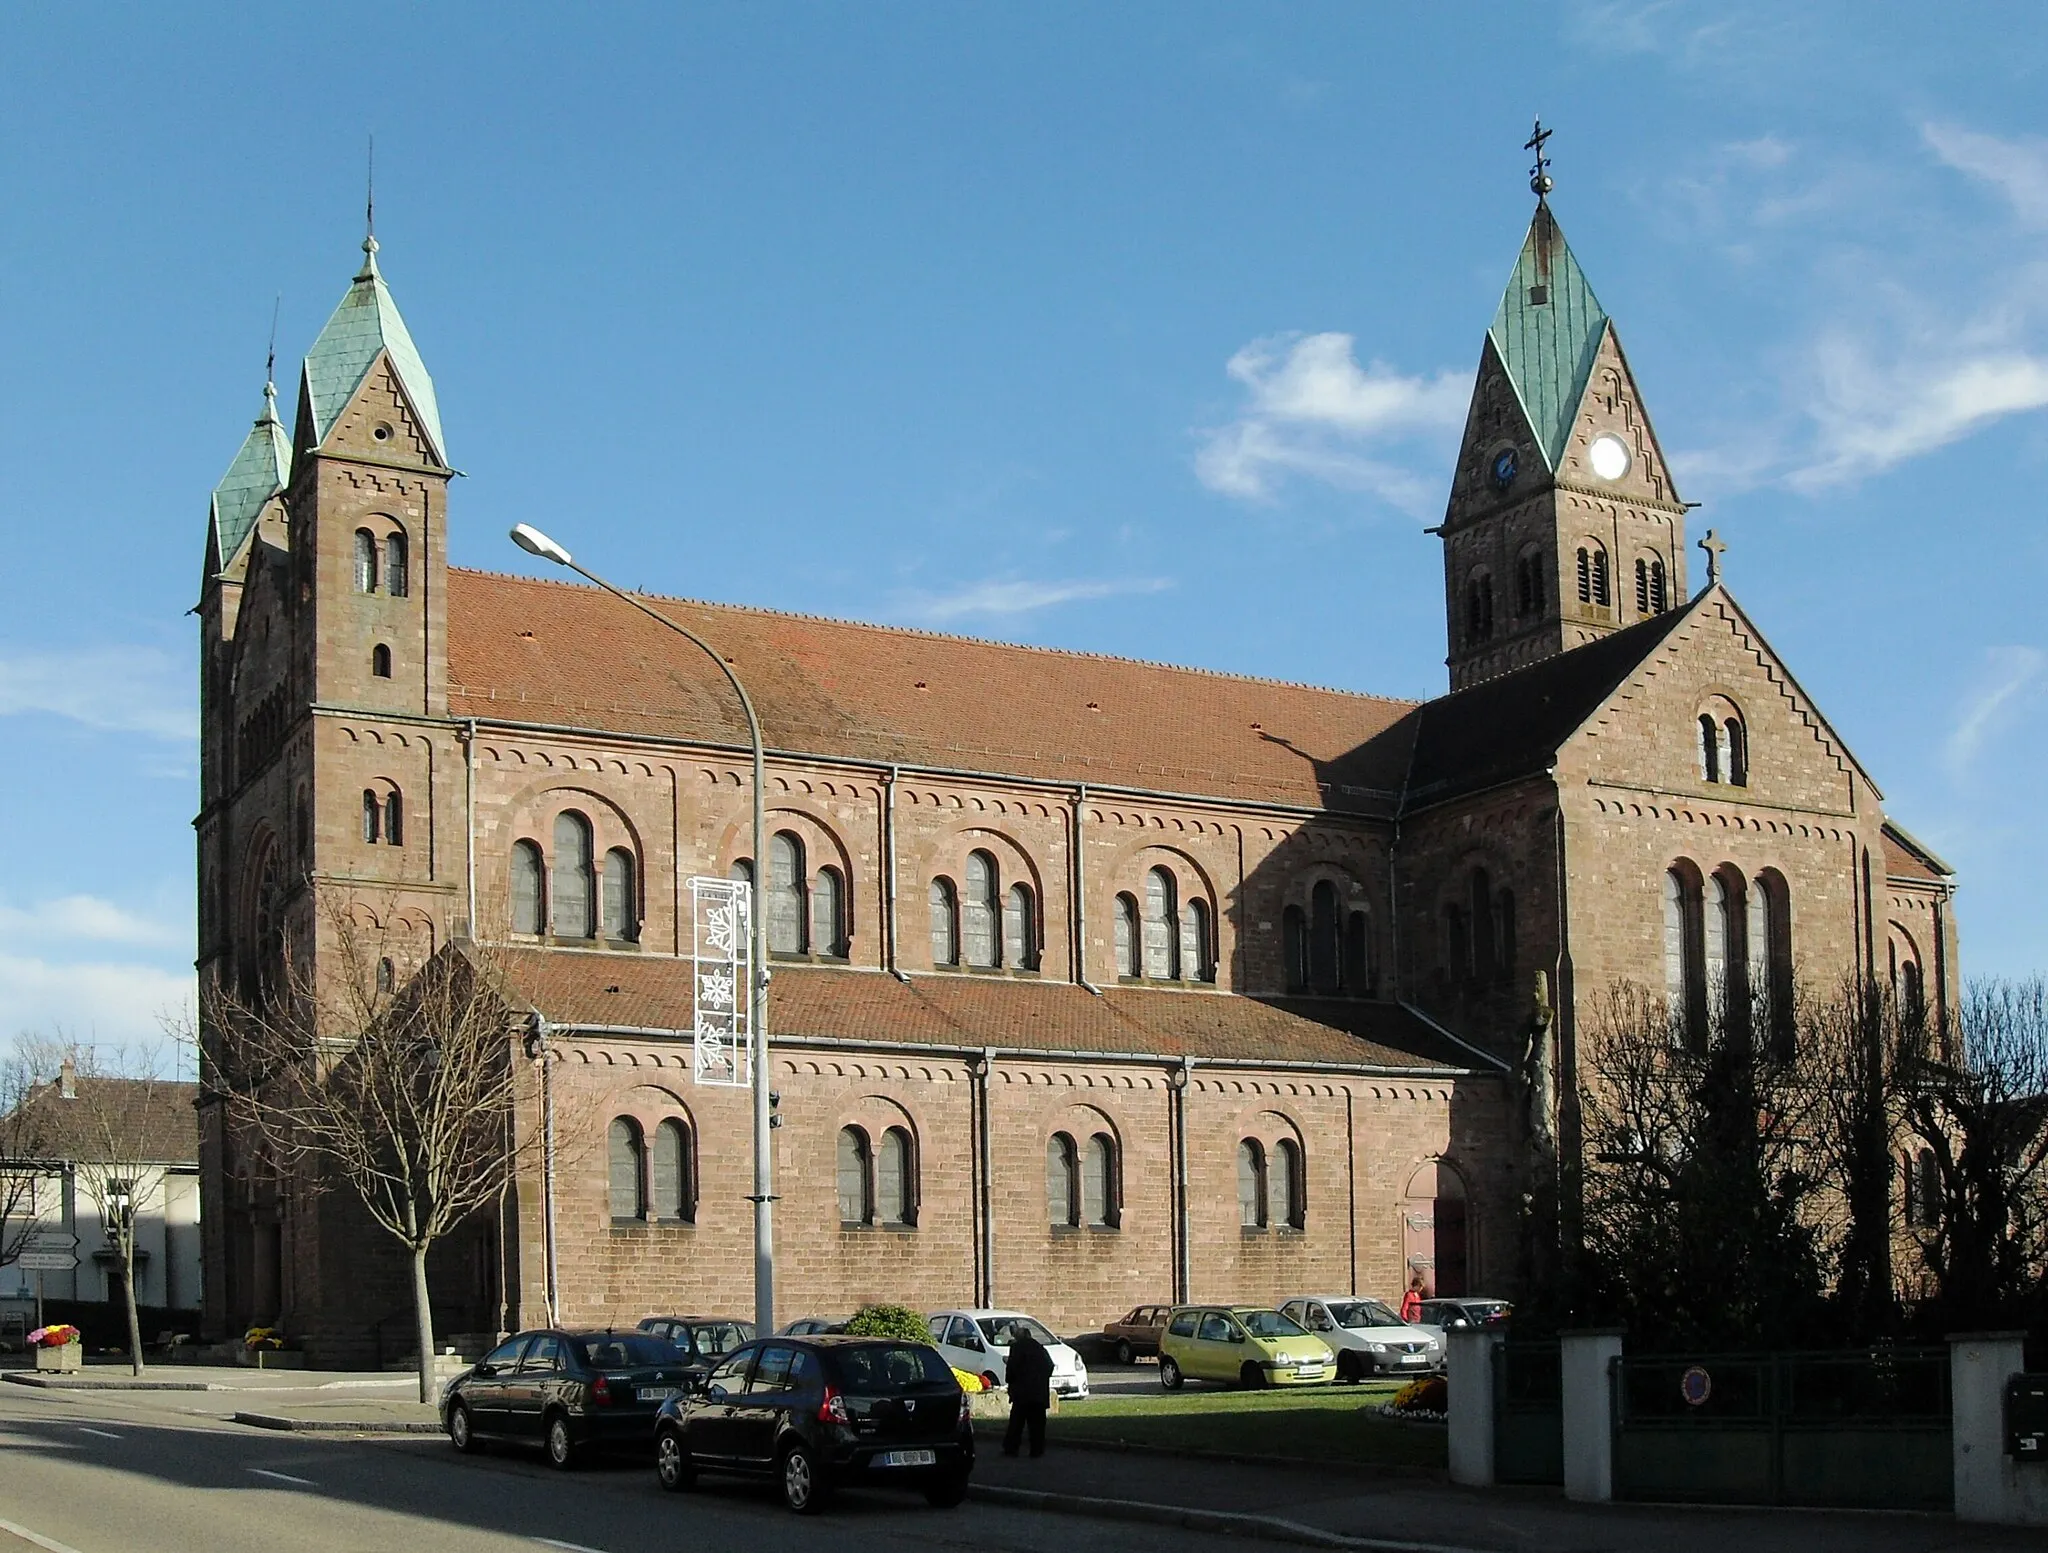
{"type": "Point", "coordinates": [723, 1023]}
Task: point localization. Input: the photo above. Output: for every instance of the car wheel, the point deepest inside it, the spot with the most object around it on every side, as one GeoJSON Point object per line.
{"type": "Point", "coordinates": [944, 1490]}
{"type": "Point", "coordinates": [1125, 1354]}
{"type": "Point", "coordinates": [989, 1381]}
{"type": "Point", "coordinates": [672, 1464]}
{"type": "Point", "coordinates": [459, 1433]}
{"type": "Point", "coordinates": [1170, 1376]}
{"type": "Point", "coordinates": [561, 1444]}
{"type": "Point", "coordinates": [1251, 1377]}
{"type": "Point", "coordinates": [803, 1485]}
{"type": "Point", "coordinates": [1347, 1369]}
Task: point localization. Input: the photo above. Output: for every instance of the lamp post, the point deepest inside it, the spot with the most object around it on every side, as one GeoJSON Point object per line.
{"type": "Point", "coordinates": [534, 542]}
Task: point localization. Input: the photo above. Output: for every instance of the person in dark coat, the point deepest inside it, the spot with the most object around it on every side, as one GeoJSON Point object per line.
{"type": "Point", "coordinates": [1030, 1374]}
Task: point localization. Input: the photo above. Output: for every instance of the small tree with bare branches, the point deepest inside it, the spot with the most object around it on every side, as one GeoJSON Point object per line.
{"type": "Point", "coordinates": [401, 1092]}
{"type": "Point", "coordinates": [24, 1156]}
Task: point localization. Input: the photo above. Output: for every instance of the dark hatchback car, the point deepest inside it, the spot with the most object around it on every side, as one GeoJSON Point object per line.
{"type": "Point", "coordinates": [814, 1413]}
{"type": "Point", "coordinates": [701, 1340]}
{"type": "Point", "coordinates": [567, 1392]}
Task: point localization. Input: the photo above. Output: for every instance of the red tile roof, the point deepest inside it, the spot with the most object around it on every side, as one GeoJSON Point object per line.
{"type": "Point", "coordinates": [112, 1121]}
{"type": "Point", "coordinates": [1905, 858]}
{"type": "Point", "coordinates": [649, 992]}
{"type": "Point", "coordinates": [548, 652]}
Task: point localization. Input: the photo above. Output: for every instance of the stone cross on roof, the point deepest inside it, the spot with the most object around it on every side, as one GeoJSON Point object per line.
{"type": "Point", "coordinates": [1539, 175]}
{"type": "Point", "coordinates": [1713, 544]}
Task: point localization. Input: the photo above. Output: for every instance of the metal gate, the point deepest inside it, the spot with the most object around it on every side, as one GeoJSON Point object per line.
{"type": "Point", "coordinates": [1528, 1413]}
{"type": "Point", "coordinates": [1861, 1430]}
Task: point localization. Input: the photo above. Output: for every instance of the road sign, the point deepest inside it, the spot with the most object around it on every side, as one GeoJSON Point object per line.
{"type": "Point", "coordinates": [47, 1261]}
{"type": "Point", "coordinates": [51, 1240]}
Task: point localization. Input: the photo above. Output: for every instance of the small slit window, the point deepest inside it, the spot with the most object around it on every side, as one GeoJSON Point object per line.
{"type": "Point", "coordinates": [1062, 1181]}
{"type": "Point", "coordinates": [380, 661]}
{"type": "Point", "coordinates": [526, 887]}
{"type": "Point", "coordinates": [674, 1199]}
{"type": "Point", "coordinates": [1251, 1184]}
{"type": "Point", "coordinates": [828, 914]}
{"type": "Point", "coordinates": [396, 579]}
{"type": "Point", "coordinates": [373, 817]}
{"type": "Point", "coordinates": [621, 896]}
{"type": "Point", "coordinates": [394, 818]}
{"type": "Point", "coordinates": [945, 923]}
{"type": "Point", "coordinates": [366, 561]}
{"type": "Point", "coordinates": [1126, 935]}
{"type": "Point", "coordinates": [856, 1205]}
{"type": "Point", "coordinates": [786, 907]}
{"type": "Point", "coordinates": [895, 1179]}
{"type": "Point", "coordinates": [626, 1152]}
{"type": "Point", "coordinates": [978, 910]}
{"type": "Point", "coordinates": [1020, 929]}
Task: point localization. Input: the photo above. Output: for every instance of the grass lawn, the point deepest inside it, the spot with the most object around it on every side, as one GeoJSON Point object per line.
{"type": "Point", "coordinates": [1325, 1424]}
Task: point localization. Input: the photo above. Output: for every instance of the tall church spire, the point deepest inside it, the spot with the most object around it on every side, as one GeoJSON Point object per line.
{"type": "Point", "coordinates": [257, 474]}
{"type": "Point", "coordinates": [365, 325]}
{"type": "Point", "coordinates": [1547, 330]}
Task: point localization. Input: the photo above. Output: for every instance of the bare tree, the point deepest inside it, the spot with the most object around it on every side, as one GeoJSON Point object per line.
{"type": "Point", "coordinates": [24, 1157]}
{"type": "Point", "coordinates": [401, 1090]}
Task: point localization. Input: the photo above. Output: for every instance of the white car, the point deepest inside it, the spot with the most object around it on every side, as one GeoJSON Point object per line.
{"type": "Point", "coordinates": [978, 1341]}
{"type": "Point", "coordinates": [1368, 1338]}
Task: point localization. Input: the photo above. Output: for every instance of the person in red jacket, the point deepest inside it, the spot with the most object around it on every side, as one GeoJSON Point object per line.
{"type": "Point", "coordinates": [1411, 1302]}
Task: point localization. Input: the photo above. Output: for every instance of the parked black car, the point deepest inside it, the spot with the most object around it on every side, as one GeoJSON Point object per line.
{"type": "Point", "coordinates": [701, 1340]}
{"type": "Point", "coordinates": [567, 1392]}
{"type": "Point", "coordinates": [815, 1412]}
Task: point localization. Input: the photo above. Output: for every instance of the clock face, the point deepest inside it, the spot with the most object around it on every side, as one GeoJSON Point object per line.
{"type": "Point", "coordinates": [1609, 457]}
{"type": "Point", "coordinates": [1506, 465]}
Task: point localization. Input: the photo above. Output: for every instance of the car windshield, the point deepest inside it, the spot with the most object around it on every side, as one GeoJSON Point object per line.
{"type": "Point", "coordinates": [882, 1370]}
{"type": "Point", "coordinates": [1268, 1323]}
{"type": "Point", "coordinates": [1364, 1313]}
{"type": "Point", "coordinates": [624, 1351]}
{"type": "Point", "coordinates": [1487, 1310]}
{"type": "Point", "coordinates": [715, 1337]}
{"type": "Point", "coordinates": [1002, 1330]}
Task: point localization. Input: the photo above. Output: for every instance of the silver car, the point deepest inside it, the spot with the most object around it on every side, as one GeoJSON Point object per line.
{"type": "Point", "coordinates": [1367, 1337]}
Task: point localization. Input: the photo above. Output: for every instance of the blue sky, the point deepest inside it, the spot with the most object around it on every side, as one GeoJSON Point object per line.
{"type": "Point", "coordinates": [1142, 329]}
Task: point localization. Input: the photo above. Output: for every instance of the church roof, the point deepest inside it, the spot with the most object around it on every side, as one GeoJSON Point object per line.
{"type": "Point", "coordinates": [653, 993]}
{"type": "Point", "coordinates": [1907, 857]}
{"type": "Point", "coordinates": [257, 474]}
{"type": "Point", "coordinates": [1547, 330]}
{"type": "Point", "coordinates": [525, 650]}
{"type": "Point", "coordinates": [366, 323]}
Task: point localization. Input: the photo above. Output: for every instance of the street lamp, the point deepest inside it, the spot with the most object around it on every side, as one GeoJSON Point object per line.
{"type": "Point", "coordinates": [534, 542]}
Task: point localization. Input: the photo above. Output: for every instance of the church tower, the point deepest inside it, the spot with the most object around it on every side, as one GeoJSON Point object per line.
{"type": "Point", "coordinates": [1563, 522]}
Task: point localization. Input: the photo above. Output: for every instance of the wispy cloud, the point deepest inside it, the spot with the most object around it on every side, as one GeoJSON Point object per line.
{"type": "Point", "coordinates": [1021, 596]}
{"type": "Point", "coordinates": [73, 919]}
{"type": "Point", "coordinates": [1312, 411]}
{"type": "Point", "coordinates": [2012, 675]}
{"type": "Point", "coordinates": [102, 1000]}
{"type": "Point", "coordinates": [116, 689]}
{"type": "Point", "coordinates": [2017, 168]}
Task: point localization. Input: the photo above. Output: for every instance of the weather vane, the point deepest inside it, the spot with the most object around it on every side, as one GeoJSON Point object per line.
{"type": "Point", "coordinates": [1539, 175]}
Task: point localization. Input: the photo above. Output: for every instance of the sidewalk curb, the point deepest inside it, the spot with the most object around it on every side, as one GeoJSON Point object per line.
{"type": "Point", "coordinates": [1368, 1469]}
{"type": "Point", "coordinates": [335, 1425]}
{"type": "Point", "coordinates": [1269, 1528]}
{"type": "Point", "coordinates": [75, 1383]}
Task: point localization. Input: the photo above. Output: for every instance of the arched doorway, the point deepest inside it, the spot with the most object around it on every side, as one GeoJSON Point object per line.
{"type": "Point", "coordinates": [1435, 1241]}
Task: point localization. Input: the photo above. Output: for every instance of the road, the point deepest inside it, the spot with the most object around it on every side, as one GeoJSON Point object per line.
{"type": "Point", "coordinates": [143, 1473]}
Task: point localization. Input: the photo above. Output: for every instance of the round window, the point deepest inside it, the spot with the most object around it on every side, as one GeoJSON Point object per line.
{"type": "Point", "coordinates": [382, 433]}
{"type": "Point", "coordinates": [1609, 457]}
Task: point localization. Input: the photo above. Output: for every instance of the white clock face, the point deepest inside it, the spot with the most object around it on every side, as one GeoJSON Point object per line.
{"type": "Point", "coordinates": [1609, 457]}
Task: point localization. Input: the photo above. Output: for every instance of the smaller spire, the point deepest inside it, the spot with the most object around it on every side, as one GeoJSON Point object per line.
{"type": "Point", "coordinates": [369, 269]}
{"type": "Point", "coordinates": [1540, 183]}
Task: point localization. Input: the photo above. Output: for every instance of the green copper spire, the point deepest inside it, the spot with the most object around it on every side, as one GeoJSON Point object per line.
{"type": "Point", "coordinates": [366, 323]}
{"type": "Point", "coordinates": [1547, 330]}
{"type": "Point", "coordinates": [257, 474]}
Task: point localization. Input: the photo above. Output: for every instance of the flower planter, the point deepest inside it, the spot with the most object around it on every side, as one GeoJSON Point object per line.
{"type": "Point", "coordinates": [69, 1356]}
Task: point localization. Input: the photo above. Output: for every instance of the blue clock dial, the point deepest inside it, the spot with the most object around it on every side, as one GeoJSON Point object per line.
{"type": "Point", "coordinates": [1505, 467]}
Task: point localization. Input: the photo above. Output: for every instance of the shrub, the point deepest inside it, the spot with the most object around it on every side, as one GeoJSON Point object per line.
{"type": "Point", "coordinates": [889, 1321]}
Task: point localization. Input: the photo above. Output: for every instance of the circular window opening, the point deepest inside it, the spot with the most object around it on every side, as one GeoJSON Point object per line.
{"type": "Point", "coordinates": [382, 433]}
{"type": "Point", "coordinates": [1609, 457]}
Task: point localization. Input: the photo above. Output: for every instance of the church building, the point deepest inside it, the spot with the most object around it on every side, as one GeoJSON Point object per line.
{"type": "Point", "coordinates": [1094, 982]}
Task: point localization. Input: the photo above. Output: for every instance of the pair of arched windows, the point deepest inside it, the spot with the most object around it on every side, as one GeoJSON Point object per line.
{"type": "Point", "coordinates": [1592, 574]}
{"type": "Point", "coordinates": [1271, 1191]}
{"type": "Point", "coordinates": [1724, 748]}
{"type": "Point", "coordinates": [983, 923]}
{"type": "Point", "coordinates": [383, 817]}
{"type": "Point", "coordinates": [1329, 947]}
{"type": "Point", "coordinates": [1480, 932]}
{"type": "Point", "coordinates": [568, 900]}
{"type": "Point", "coordinates": [806, 912]}
{"type": "Point", "coordinates": [1529, 589]}
{"type": "Point", "coordinates": [381, 566]}
{"type": "Point", "coordinates": [1165, 939]}
{"type": "Point", "coordinates": [1728, 957]}
{"type": "Point", "coordinates": [1650, 589]}
{"type": "Point", "coordinates": [877, 1179]}
{"type": "Point", "coordinates": [1083, 1182]}
{"type": "Point", "coordinates": [652, 1181]}
{"type": "Point", "coordinates": [1479, 606]}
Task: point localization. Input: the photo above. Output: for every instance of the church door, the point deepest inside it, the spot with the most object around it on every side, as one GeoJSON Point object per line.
{"type": "Point", "coordinates": [1434, 1238]}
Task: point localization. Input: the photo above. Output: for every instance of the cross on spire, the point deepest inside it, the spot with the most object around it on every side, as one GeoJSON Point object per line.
{"type": "Point", "coordinates": [1713, 544]}
{"type": "Point", "coordinates": [1539, 175]}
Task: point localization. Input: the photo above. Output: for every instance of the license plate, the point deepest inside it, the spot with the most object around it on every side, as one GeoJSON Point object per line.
{"type": "Point", "coordinates": [654, 1393]}
{"type": "Point", "coordinates": [1308, 1372]}
{"type": "Point", "coordinates": [906, 1458]}
{"type": "Point", "coordinates": [1415, 1358]}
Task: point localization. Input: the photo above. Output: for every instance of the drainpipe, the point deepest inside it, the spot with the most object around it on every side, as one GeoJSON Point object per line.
{"type": "Point", "coordinates": [1179, 1082]}
{"type": "Point", "coordinates": [538, 1048]}
{"type": "Point", "coordinates": [1351, 1185]}
{"type": "Point", "coordinates": [987, 1205]}
{"type": "Point", "coordinates": [469, 818]}
{"type": "Point", "coordinates": [889, 873]}
{"type": "Point", "coordinates": [1080, 913]}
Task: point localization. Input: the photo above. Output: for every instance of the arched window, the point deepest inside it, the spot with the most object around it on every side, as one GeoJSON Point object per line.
{"type": "Point", "coordinates": [621, 897]}
{"type": "Point", "coordinates": [572, 892]}
{"type": "Point", "coordinates": [1294, 948]}
{"type": "Point", "coordinates": [1162, 927]}
{"type": "Point", "coordinates": [673, 1198]}
{"type": "Point", "coordinates": [395, 578]}
{"type": "Point", "coordinates": [1358, 975]}
{"type": "Point", "coordinates": [742, 869]}
{"type": "Point", "coordinates": [1504, 935]}
{"type": "Point", "coordinates": [785, 894]}
{"type": "Point", "coordinates": [373, 817]}
{"type": "Point", "coordinates": [1716, 928]}
{"type": "Point", "coordinates": [1457, 943]}
{"type": "Point", "coordinates": [1322, 937]}
{"type": "Point", "coordinates": [1020, 929]}
{"type": "Point", "coordinates": [1912, 995]}
{"type": "Point", "coordinates": [1593, 588]}
{"type": "Point", "coordinates": [1479, 888]}
{"type": "Point", "coordinates": [1601, 594]}
{"type": "Point", "coordinates": [627, 1153]}
{"type": "Point", "coordinates": [1197, 959]}
{"type": "Point", "coordinates": [856, 1201]}
{"type": "Point", "coordinates": [1738, 751]}
{"type": "Point", "coordinates": [380, 661]}
{"type": "Point", "coordinates": [387, 977]}
{"type": "Point", "coordinates": [1251, 1184]}
{"type": "Point", "coordinates": [526, 893]}
{"type": "Point", "coordinates": [895, 1179]}
{"type": "Point", "coordinates": [1479, 607]}
{"type": "Point", "coordinates": [1770, 939]}
{"type": "Point", "coordinates": [945, 923]}
{"type": "Point", "coordinates": [366, 561]}
{"type": "Point", "coordinates": [1099, 1183]}
{"type": "Point", "coordinates": [1685, 985]}
{"type": "Point", "coordinates": [1529, 582]}
{"type": "Point", "coordinates": [1710, 748]}
{"type": "Point", "coordinates": [1649, 585]}
{"type": "Point", "coordinates": [828, 914]}
{"type": "Point", "coordinates": [1062, 1181]}
{"type": "Point", "coordinates": [978, 910]}
{"type": "Point", "coordinates": [1126, 935]}
{"type": "Point", "coordinates": [394, 818]}
{"type": "Point", "coordinates": [1288, 1206]}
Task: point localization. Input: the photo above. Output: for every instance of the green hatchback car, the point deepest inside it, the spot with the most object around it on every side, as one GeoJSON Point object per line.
{"type": "Point", "coordinates": [1244, 1345]}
